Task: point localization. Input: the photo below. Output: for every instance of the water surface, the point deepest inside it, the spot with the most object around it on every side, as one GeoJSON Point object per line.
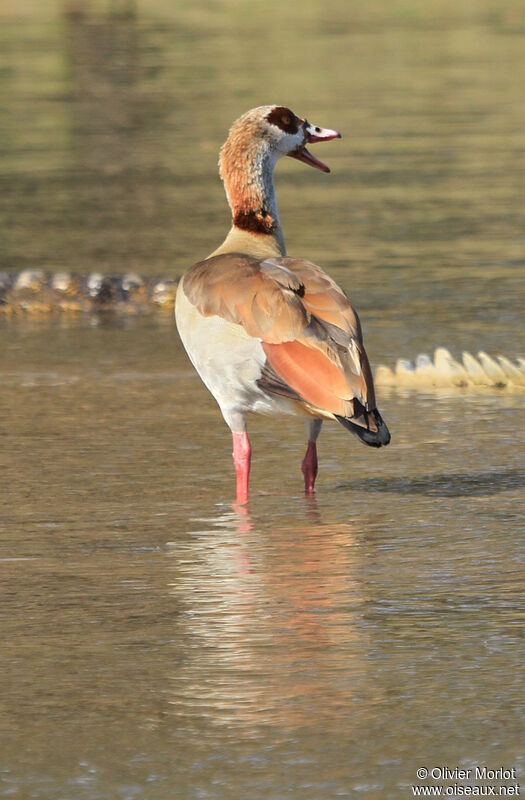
{"type": "Point", "coordinates": [157, 641]}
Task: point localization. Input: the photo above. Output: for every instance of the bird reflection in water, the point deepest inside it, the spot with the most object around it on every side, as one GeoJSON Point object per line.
{"type": "Point", "coordinates": [270, 622]}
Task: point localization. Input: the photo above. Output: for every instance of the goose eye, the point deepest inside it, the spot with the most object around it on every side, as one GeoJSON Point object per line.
{"type": "Point", "coordinates": [284, 119]}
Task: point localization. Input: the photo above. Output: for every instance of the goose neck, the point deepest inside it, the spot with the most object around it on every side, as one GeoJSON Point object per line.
{"type": "Point", "coordinates": [248, 181]}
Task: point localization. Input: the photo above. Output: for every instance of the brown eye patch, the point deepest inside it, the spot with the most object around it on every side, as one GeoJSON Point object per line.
{"type": "Point", "coordinates": [284, 119]}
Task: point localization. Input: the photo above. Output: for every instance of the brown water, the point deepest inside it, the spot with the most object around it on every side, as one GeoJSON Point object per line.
{"type": "Point", "coordinates": [158, 642]}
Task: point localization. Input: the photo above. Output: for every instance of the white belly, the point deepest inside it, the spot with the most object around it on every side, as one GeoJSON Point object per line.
{"type": "Point", "coordinates": [229, 361]}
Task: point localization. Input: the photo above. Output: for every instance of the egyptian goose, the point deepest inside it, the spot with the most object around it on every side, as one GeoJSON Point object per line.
{"type": "Point", "coordinates": [268, 333]}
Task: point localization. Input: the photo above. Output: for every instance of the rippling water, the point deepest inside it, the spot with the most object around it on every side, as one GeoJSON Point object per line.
{"type": "Point", "coordinates": [158, 641]}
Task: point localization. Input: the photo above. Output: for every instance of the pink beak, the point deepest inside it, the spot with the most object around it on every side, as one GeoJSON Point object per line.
{"type": "Point", "coordinates": [314, 134]}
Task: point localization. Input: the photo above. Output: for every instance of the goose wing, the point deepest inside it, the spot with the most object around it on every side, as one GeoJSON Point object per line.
{"type": "Point", "coordinates": [309, 331]}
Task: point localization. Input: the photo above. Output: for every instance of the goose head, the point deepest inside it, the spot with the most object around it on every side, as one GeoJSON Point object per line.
{"type": "Point", "coordinates": [273, 132]}
{"type": "Point", "coordinates": [255, 143]}
{"type": "Point", "coordinates": [295, 133]}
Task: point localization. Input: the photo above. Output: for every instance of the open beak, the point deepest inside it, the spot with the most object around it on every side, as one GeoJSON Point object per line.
{"type": "Point", "coordinates": [314, 134]}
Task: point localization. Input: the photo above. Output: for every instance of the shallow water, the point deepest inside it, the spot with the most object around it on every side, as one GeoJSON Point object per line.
{"type": "Point", "coordinates": [158, 641]}
{"type": "Point", "coordinates": [155, 636]}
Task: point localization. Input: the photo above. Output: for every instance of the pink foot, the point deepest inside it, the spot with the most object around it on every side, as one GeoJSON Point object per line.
{"type": "Point", "coordinates": [242, 455]}
{"type": "Point", "coordinates": [309, 468]}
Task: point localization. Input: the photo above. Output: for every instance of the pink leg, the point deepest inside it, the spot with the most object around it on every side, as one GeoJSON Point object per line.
{"type": "Point", "coordinates": [242, 455]}
{"type": "Point", "coordinates": [309, 467]}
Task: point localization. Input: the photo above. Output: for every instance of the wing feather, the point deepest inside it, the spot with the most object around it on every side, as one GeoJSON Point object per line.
{"type": "Point", "coordinates": [310, 333]}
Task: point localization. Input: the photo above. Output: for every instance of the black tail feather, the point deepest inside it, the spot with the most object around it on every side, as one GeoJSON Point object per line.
{"type": "Point", "coordinates": [374, 438]}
